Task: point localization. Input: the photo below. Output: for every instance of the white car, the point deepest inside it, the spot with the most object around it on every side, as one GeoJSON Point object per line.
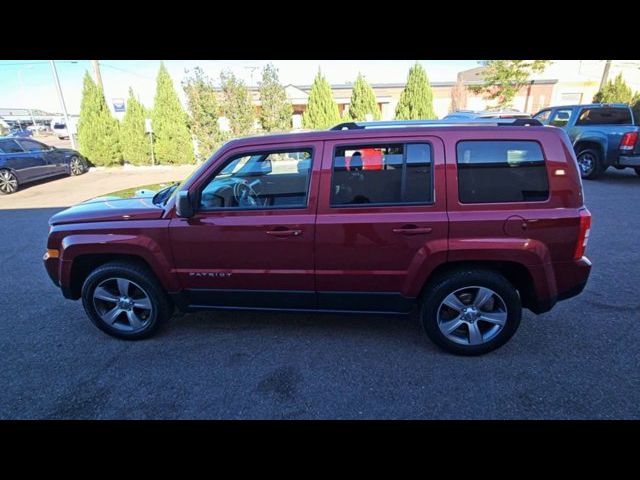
{"type": "Point", "coordinates": [60, 129]}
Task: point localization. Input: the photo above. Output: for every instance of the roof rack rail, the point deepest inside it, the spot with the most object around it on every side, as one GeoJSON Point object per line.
{"type": "Point", "coordinates": [512, 122]}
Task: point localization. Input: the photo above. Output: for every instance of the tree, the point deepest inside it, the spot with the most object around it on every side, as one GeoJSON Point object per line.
{"type": "Point", "coordinates": [236, 104]}
{"type": "Point", "coordinates": [416, 100]}
{"type": "Point", "coordinates": [458, 96]}
{"type": "Point", "coordinates": [98, 130]}
{"type": "Point", "coordinates": [172, 139]}
{"type": "Point", "coordinates": [276, 111]}
{"type": "Point", "coordinates": [504, 78]}
{"type": "Point", "coordinates": [133, 139]}
{"type": "Point", "coordinates": [204, 111]}
{"type": "Point", "coordinates": [363, 101]}
{"type": "Point", "coordinates": [616, 91]}
{"type": "Point", "coordinates": [322, 111]}
{"type": "Point", "coordinates": [635, 106]}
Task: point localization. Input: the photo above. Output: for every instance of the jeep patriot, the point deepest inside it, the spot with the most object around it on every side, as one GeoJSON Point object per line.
{"type": "Point", "coordinates": [463, 224]}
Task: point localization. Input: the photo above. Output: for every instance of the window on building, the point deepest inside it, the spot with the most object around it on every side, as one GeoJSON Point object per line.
{"type": "Point", "coordinates": [501, 171]}
{"type": "Point", "coordinates": [382, 174]}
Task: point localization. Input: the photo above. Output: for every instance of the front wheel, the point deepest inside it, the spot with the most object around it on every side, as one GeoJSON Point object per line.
{"type": "Point", "coordinates": [76, 167]}
{"type": "Point", "coordinates": [125, 300]}
{"type": "Point", "coordinates": [471, 312]}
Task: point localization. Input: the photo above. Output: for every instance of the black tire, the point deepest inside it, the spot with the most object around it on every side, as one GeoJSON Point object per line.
{"type": "Point", "coordinates": [80, 169]}
{"type": "Point", "coordinates": [8, 182]}
{"type": "Point", "coordinates": [593, 157]}
{"type": "Point", "coordinates": [637, 171]}
{"type": "Point", "coordinates": [455, 281]}
{"type": "Point", "coordinates": [161, 307]}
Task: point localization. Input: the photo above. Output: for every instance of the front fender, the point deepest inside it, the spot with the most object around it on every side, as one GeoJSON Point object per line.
{"type": "Point", "coordinates": [148, 249]}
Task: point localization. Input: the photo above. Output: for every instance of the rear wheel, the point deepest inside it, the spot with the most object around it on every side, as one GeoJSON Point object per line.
{"type": "Point", "coordinates": [590, 163]}
{"type": "Point", "coordinates": [125, 300]}
{"type": "Point", "coordinates": [8, 182]}
{"type": "Point", "coordinates": [637, 171]}
{"type": "Point", "coordinates": [471, 312]}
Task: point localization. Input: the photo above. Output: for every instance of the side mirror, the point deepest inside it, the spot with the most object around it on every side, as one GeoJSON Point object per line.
{"type": "Point", "coordinates": [265, 166]}
{"type": "Point", "coordinates": [184, 207]}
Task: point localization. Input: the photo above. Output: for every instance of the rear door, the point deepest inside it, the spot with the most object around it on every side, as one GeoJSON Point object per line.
{"type": "Point", "coordinates": [379, 228]}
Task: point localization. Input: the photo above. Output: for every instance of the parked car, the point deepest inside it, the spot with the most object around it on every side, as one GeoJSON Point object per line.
{"type": "Point", "coordinates": [465, 115]}
{"type": "Point", "coordinates": [504, 229]}
{"type": "Point", "coordinates": [602, 135]}
{"type": "Point", "coordinates": [60, 129]}
{"type": "Point", "coordinates": [24, 160]}
{"type": "Point", "coordinates": [20, 132]}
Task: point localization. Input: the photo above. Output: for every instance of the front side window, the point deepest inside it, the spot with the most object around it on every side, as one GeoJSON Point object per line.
{"type": "Point", "coordinates": [501, 171]}
{"type": "Point", "coordinates": [10, 146]}
{"type": "Point", "coordinates": [273, 179]}
{"type": "Point", "coordinates": [560, 118]}
{"type": "Point", "coordinates": [31, 146]}
{"type": "Point", "coordinates": [542, 116]}
{"type": "Point", "coordinates": [382, 174]}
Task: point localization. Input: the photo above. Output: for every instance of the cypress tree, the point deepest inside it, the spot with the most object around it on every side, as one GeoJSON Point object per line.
{"type": "Point", "coordinates": [416, 100]}
{"type": "Point", "coordinates": [616, 91]}
{"type": "Point", "coordinates": [237, 105]}
{"type": "Point", "coordinates": [204, 112]}
{"type": "Point", "coordinates": [322, 111]}
{"type": "Point", "coordinates": [172, 139]}
{"type": "Point", "coordinates": [275, 112]}
{"type": "Point", "coordinates": [363, 101]}
{"type": "Point", "coordinates": [635, 106]}
{"type": "Point", "coordinates": [98, 130]}
{"type": "Point", "coordinates": [134, 140]}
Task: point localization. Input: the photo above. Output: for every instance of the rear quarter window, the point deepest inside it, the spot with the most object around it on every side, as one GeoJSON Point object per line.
{"type": "Point", "coordinates": [492, 171]}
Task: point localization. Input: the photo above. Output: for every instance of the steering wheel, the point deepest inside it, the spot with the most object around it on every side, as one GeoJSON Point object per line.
{"type": "Point", "coordinates": [244, 194]}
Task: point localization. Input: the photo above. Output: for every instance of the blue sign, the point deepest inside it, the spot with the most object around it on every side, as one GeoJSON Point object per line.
{"type": "Point", "coordinates": [118, 105]}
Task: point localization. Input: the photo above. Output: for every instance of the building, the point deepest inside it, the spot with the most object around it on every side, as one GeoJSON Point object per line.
{"type": "Point", "coordinates": [23, 117]}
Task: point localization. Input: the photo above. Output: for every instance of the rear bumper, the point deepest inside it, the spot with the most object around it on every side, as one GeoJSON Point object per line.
{"type": "Point", "coordinates": [629, 161]}
{"type": "Point", "coordinates": [570, 278]}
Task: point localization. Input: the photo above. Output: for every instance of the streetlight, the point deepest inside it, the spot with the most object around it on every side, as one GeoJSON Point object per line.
{"type": "Point", "coordinates": [64, 107]}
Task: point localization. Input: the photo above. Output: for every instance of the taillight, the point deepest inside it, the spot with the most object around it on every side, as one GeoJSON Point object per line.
{"type": "Point", "coordinates": [628, 141]}
{"type": "Point", "coordinates": [583, 235]}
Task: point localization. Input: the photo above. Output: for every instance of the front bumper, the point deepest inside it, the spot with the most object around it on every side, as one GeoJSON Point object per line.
{"type": "Point", "coordinates": [629, 161]}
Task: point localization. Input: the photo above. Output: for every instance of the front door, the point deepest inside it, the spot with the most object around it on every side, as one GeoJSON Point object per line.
{"type": "Point", "coordinates": [250, 241]}
{"type": "Point", "coordinates": [36, 151]}
{"type": "Point", "coordinates": [382, 221]}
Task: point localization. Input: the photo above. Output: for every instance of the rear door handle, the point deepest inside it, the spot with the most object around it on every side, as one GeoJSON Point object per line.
{"type": "Point", "coordinates": [412, 230]}
{"type": "Point", "coordinates": [284, 232]}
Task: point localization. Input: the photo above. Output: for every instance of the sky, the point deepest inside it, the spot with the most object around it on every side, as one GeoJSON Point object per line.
{"type": "Point", "coordinates": [37, 89]}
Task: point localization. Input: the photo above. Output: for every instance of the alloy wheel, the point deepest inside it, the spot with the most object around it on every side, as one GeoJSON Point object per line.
{"type": "Point", "coordinates": [8, 182]}
{"type": "Point", "coordinates": [76, 166]}
{"type": "Point", "coordinates": [472, 315]}
{"type": "Point", "coordinates": [122, 304]}
{"type": "Point", "coordinates": [587, 163]}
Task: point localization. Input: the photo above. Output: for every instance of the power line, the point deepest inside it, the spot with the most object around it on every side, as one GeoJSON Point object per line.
{"type": "Point", "coordinates": [125, 70]}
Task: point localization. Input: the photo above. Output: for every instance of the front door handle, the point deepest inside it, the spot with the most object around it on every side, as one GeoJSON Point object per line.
{"type": "Point", "coordinates": [284, 232]}
{"type": "Point", "coordinates": [412, 230]}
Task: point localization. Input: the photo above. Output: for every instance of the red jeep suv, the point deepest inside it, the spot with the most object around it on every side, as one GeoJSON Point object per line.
{"type": "Point", "coordinates": [465, 224]}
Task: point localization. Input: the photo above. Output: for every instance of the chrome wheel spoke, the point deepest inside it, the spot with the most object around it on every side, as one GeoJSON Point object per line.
{"type": "Point", "coordinates": [143, 303]}
{"type": "Point", "coordinates": [497, 318]}
{"type": "Point", "coordinates": [134, 320]}
{"type": "Point", "coordinates": [112, 315]}
{"type": "Point", "coordinates": [475, 336]}
{"type": "Point", "coordinates": [482, 297]}
{"type": "Point", "coordinates": [450, 326]}
{"type": "Point", "coordinates": [453, 302]}
{"type": "Point", "coordinates": [103, 294]}
{"type": "Point", "coordinates": [123, 286]}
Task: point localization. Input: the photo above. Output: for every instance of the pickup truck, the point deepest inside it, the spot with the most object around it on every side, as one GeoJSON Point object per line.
{"type": "Point", "coordinates": [603, 135]}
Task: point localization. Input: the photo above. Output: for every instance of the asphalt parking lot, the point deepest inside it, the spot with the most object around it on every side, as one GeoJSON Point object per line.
{"type": "Point", "coordinates": [579, 361]}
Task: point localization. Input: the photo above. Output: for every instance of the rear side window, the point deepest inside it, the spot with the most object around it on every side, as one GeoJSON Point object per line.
{"type": "Point", "coordinates": [387, 174]}
{"type": "Point", "coordinates": [604, 116]}
{"type": "Point", "coordinates": [10, 146]}
{"type": "Point", "coordinates": [501, 171]}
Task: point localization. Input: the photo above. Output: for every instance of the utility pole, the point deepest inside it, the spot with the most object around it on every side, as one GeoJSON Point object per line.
{"type": "Point", "coordinates": [64, 106]}
{"type": "Point", "coordinates": [605, 74]}
{"type": "Point", "coordinates": [96, 70]}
